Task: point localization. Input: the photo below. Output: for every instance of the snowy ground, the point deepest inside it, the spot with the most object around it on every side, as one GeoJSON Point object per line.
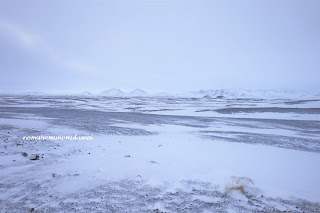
{"type": "Point", "coordinates": [160, 154]}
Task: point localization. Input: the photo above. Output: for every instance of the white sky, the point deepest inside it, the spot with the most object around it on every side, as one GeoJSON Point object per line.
{"type": "Point", "coordinates": [155, 45]}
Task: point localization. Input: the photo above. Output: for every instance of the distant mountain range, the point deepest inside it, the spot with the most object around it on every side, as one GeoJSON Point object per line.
{"type": "Point", "coordinates": [208, 94]}
{"type": "Point", "coordinates": [242, 93]}
{"type": "Point", "coordinates": [219, 93]}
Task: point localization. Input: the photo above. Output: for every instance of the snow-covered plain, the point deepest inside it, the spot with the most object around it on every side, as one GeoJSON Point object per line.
{"type": "Point", "coordinates": [160, 154]}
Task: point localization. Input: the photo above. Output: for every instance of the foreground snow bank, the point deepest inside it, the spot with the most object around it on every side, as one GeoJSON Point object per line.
{"type": "Point", "coordinates": [176, 155]}
{"type": "Point", "coordinates": [174, 171]}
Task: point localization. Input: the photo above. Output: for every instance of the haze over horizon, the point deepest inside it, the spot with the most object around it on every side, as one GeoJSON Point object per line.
{"type": "Point", "coordinates": [169, 46]}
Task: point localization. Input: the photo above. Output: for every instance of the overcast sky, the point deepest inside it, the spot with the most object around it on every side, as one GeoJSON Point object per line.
{"type": "Point", "coordinates": [159, 45]}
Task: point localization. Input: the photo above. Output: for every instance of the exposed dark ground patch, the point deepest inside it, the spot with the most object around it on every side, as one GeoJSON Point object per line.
{"type": "Point", "coordinates": [102, 122]}
{"type": "Point", "coordinates": [268, 109]}
{"type": "Point", "coordinates": [296, 143]}
{"type": "Point", "coordinates": [106, 123]}
{"type": "Point", "coordinates": [300, 101]}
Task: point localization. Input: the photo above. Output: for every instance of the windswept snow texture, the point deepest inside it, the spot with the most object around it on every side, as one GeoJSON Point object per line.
{"type": "Point", "coordinates": [160, 154]}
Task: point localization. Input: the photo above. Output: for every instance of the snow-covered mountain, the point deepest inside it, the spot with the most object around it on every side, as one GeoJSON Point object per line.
{"type": "Point", "coordinates": [138, 92]}
{"type": "Point", "coordinates": [84, 93]}
{"type": "Point", "coordinates": [242, 93]}
{"type": "Point", "coordinates": [112, 92]}
{"type": "Point", "coordinates": [118, 92]}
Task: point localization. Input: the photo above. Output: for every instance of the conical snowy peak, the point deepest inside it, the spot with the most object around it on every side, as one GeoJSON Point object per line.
{"type": "Point", "coordinates": [112, 92]}
{"type": "Point", "coordinates": [138, 92]}
{"type": "Point", "coordinates": [84, 93]}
